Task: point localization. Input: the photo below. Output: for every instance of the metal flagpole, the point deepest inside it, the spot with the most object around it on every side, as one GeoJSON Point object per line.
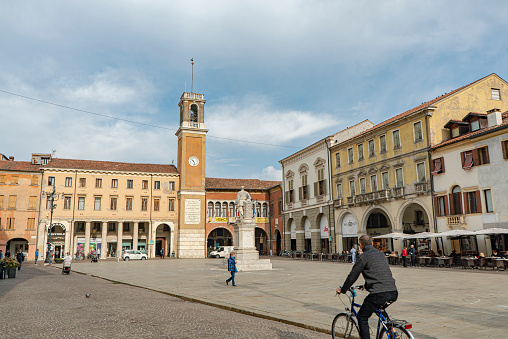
{"type": "Point", "coordinates": [192, 77]}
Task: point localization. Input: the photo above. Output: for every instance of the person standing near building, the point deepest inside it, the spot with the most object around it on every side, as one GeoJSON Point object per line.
{"type": "Point", "coordinates": [36, 256]}
{"type": "Point", "coordinates": [232, 268]}
{"type": "Point", "coordinates": [1, 255]}
{"type": "Point", "coordinates": [353, 254]}
{"type": "Point", "coordinates": [162, 253]}
{"type": "Point", "coordinates": [412, 253]}
{"type": "Point", "coordinates": [20, 257]}
{"type": "Point", "coordinates": [404, 256]}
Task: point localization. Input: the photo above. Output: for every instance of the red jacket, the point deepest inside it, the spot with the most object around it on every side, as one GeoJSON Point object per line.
{"type": "Point", "coordinates": [404, 252]}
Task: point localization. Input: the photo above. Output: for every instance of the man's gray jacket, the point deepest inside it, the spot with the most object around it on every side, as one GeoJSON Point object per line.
{"type": "Point", "coordinates": [373, 265]}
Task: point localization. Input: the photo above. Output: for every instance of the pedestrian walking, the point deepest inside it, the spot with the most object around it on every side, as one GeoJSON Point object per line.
{"type": "Point", "coordinates": [353, 254]}
{"type": "Point", "coordinates": [20, 257]}
{"type": "Point", "coordinates": [162, 253]}
{"type": "Point", "coordinates": [36, 256]}
{"type": "Point", "coordinates": [232, 268]}
{"type": "Point", "coordinates": [404, 256]}
{"type": "Point", "coordinates": [412, 253]}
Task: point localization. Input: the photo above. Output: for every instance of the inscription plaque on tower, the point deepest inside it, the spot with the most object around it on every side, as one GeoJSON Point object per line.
{"type": "Point", "coordinates": [192, 211]}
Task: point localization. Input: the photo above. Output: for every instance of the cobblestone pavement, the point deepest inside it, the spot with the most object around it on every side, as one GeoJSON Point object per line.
{"type": "Point", "coordinates": [41, 303]}
{"type": "Point", "coordinates": [440, 302]}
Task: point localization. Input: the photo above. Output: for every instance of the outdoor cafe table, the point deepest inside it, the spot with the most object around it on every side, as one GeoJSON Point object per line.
{"type": "Point", "coordinates": [444, 261]}
{"type": "Point", "coordinates": [501, 263]}
{"type": "Point", "coordinates": [470, 262]}
{"type": "Point", "coordinates": [424, 260]}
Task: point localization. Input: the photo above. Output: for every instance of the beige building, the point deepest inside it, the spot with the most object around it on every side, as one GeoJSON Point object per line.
{"type": "Point", "coordinates": [19, 206]}
{"type": "Point", "coordinates": [104, 205]}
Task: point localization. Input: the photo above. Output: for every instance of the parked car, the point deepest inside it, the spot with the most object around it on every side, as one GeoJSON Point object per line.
{"type": "Point", "coordinates": [221, 252]}
{"type": "Point", "coordinates": [133, 254]}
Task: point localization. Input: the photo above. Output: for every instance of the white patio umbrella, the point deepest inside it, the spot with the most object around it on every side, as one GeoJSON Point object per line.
{"type": "Point", "coordinates": [421, 235]}
{"type": "Point", "coordinates": [453, 233]}
{"type": "Point", "coordinates": [492, 231]}
{"type": "Point", "coordinates": [394, 235]}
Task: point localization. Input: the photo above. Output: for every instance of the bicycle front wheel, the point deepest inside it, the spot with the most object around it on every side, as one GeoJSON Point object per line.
{"type": "Point", "coordinates": [397, 332]}
{"type": "Point", "coordinates": [344, 326]}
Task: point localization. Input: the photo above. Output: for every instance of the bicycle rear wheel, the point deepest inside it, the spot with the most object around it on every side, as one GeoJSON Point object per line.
{"type": "Point", "coordinates": [399, 331]}
{"type": "Point", "coordinates": [343, 326]}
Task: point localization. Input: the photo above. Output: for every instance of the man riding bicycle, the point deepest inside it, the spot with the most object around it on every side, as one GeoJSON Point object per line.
{"type": "Point", "coordinates": [373, 265]}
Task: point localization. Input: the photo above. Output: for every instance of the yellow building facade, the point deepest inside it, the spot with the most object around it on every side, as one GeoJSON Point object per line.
{"type": "Point", "coordinates": [104, 206]}
{"type": "Point", "coordinates": [381, 177]}
{"type": "Point", "coordinates": [19, 207]}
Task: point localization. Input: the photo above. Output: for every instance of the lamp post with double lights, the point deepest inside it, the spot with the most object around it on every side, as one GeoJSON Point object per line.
{"type": "Point", "coordinates": [52, 197]}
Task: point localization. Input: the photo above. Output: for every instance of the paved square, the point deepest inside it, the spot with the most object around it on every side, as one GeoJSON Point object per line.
{"type": "Point", "coordinates": [440, 302]}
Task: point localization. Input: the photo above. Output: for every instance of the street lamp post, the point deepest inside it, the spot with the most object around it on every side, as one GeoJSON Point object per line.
{"type": "Point", "coordinates": [52, 197]}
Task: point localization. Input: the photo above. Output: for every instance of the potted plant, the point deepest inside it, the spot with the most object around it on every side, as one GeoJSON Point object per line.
{"type": "Point", "coordinates": [10, 267]}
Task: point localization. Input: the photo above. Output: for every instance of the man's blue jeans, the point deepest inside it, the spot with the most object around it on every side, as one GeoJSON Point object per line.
{"type": "Point", "coordinates": [232, 278]}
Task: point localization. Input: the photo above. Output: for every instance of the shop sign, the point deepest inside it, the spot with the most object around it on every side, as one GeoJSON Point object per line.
{"type": "Point", "coordinates": [323, 225]}
{"type": "Point", "coordinates": [221, 219]}
{"type": "Point", "coordinates": [262, 220]}
{"type": "Point", "coordinates": [349, 226]}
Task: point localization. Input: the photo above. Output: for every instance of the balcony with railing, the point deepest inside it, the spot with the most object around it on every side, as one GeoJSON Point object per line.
{"type": "Point", "coordinates": [338, 202]}
{"type": "Point", "coordinates": [422, 187]}
{"type": "Point", "coordinates": [351, 200]}
{"type": "Point", "coordinates": [189, 95]}
{"type": "Point", "coordinates": [398, 192]}
{"type": "Point", "coordinates": [453, 221]}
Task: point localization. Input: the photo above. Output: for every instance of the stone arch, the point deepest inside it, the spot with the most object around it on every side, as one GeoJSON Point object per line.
{"type": "Point", "coordinates": [277, 236]}
{"type": "Point", "coordinates": [307, 233]}
{"type": "Point", "coordinates": [194, 112]}
{"type": "Point", "coordinates": [368, 212]}
{"type": "Point", "coordinates": [163, 233]}
{"type": "Point", "coordinates": [381, 223]}
{"type": "Point", "coordinates": [261, 240]}
{"type": "Point", "coordinates": [324, 233]}
{"type": "Point", "coordinates": [219, 236]}
{"type": "Point", "coordinates": [404, 207]}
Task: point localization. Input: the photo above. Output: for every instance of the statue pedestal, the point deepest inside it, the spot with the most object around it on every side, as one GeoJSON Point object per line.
{"type": "Point", "coordinates": [247, 257]}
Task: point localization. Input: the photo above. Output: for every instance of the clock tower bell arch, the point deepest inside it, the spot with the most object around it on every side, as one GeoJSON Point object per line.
{"type": "Point", "coordinates": [191, 165]}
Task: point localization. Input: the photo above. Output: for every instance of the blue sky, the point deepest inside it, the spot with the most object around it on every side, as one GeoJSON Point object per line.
{"type": "Point", "coordinates": [279, 72]}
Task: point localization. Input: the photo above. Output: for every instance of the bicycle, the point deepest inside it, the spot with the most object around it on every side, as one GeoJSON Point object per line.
{"type": "Point", "coordinates": [345, 324]}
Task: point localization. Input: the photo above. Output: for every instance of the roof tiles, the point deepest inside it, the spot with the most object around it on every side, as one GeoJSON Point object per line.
{"type": "Point", "coordinates": [109, 166]}
{"type": "Point", "coordinates": [224, 183]}
{"type": "Point", "coordinates": [22, 166]}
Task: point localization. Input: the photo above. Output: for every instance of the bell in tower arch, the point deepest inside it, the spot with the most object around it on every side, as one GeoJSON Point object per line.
{"type": "Point", "coordinates": [194, 113]}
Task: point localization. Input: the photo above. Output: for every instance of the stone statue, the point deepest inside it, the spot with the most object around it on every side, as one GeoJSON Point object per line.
{"type": "Point", "coordinates": [243, 202]}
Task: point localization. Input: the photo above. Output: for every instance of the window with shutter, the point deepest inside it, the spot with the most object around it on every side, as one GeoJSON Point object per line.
{"type": "Point", "coordinates": [363, 188]}
{"type": "Point", "coordinates": [496, 94]}
{"type": "Point", "coordinates": [399, 177]}
{"type": "Point", "coordinates": [1, 202]}
{"type": "Point", "coordinates": [360, 152]}
{"type": "Point", "coordinates": [14, 179]}
{"type": "Point", "coordinates": [352, 190]}
{"type": "Point", "coordinates": [504, 146]}
{"type": "Point", "coordinates": [372, 148]}
{"type": "Point", "coordinates": [12, 202]}
{"type": "Point", "coordinates": [32, 203]}
{"type": "Point", "coordinates": [386, 180]}
{"type": "Point", "coordinates": [467, 160]}
{"type": "Point", "coordinates": [30, 224]}
{"type": "Point", "coordinates": [418, 134]}
{"type": "Point", "coordinates": [34, 180]}
{"type": "Point", "coordinates": [396, 139]}
{"type": "Point", "coordinates": [489, 207]}
{"type": "Point", "coordinates": [438, 166]}
{"type": "Point", "coordinates": [420, 168]}
{"type": "Point", "coordinates": [350, 155]}
{"type": "Point", "coordinates": [382, 143]}
{"type": "Point", "coordinates": [2, 179]}
{"type": "Point", "coordinates": [373, 183]}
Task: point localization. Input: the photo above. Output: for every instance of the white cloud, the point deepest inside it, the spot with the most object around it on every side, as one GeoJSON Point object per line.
{"type": "Point", "coordinates": [271, 173]}
{"type": "Point", "coordinates": [256, 119]}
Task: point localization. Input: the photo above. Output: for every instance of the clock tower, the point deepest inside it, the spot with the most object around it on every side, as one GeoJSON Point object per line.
{"type": "Point", "coordinates": [191, 165]}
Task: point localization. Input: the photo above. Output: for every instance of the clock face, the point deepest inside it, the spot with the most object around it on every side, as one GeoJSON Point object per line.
{"type": "Point", "coordinates": [193, 161]}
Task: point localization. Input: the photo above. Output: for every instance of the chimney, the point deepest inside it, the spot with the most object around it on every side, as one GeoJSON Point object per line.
{"type": "Point", "coordinates": [494, 117]}
{"type": "Point", "coordinates": [11, 158]}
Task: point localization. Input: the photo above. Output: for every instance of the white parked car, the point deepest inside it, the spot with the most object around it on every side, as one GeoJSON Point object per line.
{"type": "Point", "coordinates": [221, 252]}
{"type": "Point", "coordinates": [133, 254]}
